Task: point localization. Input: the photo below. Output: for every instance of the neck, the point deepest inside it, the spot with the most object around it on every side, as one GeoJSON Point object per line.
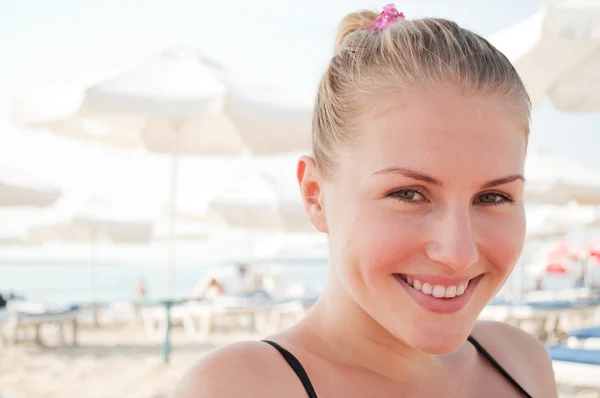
{"type": "Point", "coordinates": [342, 332]}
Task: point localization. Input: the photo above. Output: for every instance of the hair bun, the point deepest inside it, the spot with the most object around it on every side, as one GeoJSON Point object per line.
{"type": "Point", "coordinates": [352, 22]}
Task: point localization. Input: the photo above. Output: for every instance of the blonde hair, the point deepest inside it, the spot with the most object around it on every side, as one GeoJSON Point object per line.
{"type": "Point", "coordinates": [423, 52]}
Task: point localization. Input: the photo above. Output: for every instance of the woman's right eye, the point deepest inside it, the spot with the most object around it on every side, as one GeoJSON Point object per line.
{"type": "Point", "coordinates": [408, 195]}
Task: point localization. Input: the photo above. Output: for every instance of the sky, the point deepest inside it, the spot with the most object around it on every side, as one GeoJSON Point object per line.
{"type": "Point", "coordinates": [278, 43]}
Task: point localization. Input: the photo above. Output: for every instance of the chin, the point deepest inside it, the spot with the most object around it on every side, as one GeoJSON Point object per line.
{"type": "Point", "coordinates": [429, 332]}
{"type": "Point", "coordinates": [435, 336]}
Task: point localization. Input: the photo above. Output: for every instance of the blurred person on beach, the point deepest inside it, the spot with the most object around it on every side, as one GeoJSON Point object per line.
{"type": "Point", "coordinates": [420, 134]}
{"type": "Point", "coordinates": [140, 290]}
{"type": "Point", "coordinates": [207, 288]}
{"type": "Point", "coordinates": [244, 282]}
{"type": "Point", "coordinates": [14, 296]}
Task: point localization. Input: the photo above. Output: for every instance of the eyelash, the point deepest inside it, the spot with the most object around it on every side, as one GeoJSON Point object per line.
{"type": "Point", "coordinates": [503, 197]}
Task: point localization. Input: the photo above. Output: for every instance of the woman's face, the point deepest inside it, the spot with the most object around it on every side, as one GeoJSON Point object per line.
{"type": "Point", "coordinates": [425, 213]}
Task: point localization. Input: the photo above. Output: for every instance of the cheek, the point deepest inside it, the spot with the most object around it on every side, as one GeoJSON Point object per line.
{"type": "Point", "coordinates": [376, 243]}
{"type": "Point", "coordinates": [502, 243]}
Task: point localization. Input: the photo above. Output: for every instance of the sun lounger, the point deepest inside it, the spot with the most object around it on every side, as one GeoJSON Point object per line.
{"type": "Point", "coordinates": [575, 366]}
{"type": "Point", "coordinates": [584, 338]}
{"type": "Point", "coordinates": [17, 320]}
{"type": "Point", "coordinates": [259, 312]}
{"type": "Point", "coordinates": [548, 319]}
{"type": "Point", "coordinates": [586, 333]}
{"type": "Point", "coordinates": [3, 317]}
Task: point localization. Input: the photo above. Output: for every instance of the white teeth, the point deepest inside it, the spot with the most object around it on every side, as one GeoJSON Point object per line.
{"type": "Point", "coordinates": [438, 291]}
{"type": "Point", "coordinates": [450, 291]}
{"type": "Point", "coordinates": [426, 288]}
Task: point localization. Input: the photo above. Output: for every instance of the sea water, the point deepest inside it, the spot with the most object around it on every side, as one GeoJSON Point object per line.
{"type": "Point", "coordinates": [52, 281]}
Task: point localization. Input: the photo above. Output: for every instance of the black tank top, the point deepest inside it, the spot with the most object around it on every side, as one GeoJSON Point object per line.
{"type": "Point", "coordinates": [301, 373]}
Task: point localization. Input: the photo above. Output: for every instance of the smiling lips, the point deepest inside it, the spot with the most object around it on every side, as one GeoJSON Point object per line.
{"type": "Point", "coordinates": [439, 295]}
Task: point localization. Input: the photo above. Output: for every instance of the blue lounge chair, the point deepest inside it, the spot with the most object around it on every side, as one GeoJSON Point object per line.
{"type": "Point", "coordinates": [584, 338]}
{"type": "Point", "coordinates": [576, 366]}
{"type": "Point", "coordinates": [587, 333]}
{"type": "Point", "coordinates": [19, 319]}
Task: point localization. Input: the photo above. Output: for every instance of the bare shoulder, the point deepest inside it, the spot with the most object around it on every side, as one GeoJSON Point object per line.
{"type": "Point", "coordinates": [244, 369]}
{"type": "Point", "coordinates": [522, 355]}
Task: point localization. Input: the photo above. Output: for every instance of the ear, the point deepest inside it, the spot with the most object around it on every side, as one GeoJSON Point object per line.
{"type": "Point", "coordinates": [312, 193]}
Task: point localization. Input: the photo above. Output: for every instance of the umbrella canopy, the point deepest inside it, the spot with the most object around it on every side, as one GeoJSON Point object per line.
{"type": "Point", "coordinates": [557, 269]}
{"type": "Point", "coordinates": [170, 103]}
{"type": "Point", "coordinates": [553, 220]}
{"type": "Point", "coordinates": [179, 102]}
{"type": "Point", "coordinates": [269, 122]}
{"type": "Point", "coordinates": [93, 221]}
{"type": "Point", "coordinates": [185, 230]}
{"type": "Point", "coordinates": [14, 223]}
{"type": "Point", "coordinates": [552, 179]}
{"type": "Point", "coordinates": [557, 54]}
{"type": "Point", "coordinates": [258, 199]}
{"type": "Point", "coordinates": [19, 189]}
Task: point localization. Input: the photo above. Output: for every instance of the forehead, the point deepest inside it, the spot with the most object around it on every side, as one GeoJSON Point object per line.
{"type": "Point", "coordinates": [443, 132]}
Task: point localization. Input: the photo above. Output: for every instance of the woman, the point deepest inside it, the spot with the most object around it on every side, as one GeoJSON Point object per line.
{"type": "Point", "coordinates": [419, 142]}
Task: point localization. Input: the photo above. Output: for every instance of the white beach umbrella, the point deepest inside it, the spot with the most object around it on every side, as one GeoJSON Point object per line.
{"type": "Point", "coordinates": [170, 103]}
{"type": "Point", "coordinates": [14, 224]}
{"type": "Point", "coordinates": [269, 122]}
{"type": "Point", "coordinates": [557, 54]}
{"type": "Point", "coordinates": [555, 220]}
{"type": "Point", "coordinates": [260, 199]}
{"type": "Point", "coordinates": [553, 179]}
{"type": "Point", "coordinates": [19, 189]}
{"type": "Point", "coordinates": [93, 219]}
{"type": "Point", "coordinates": [185, 230]}
{"type": "Point", "coordinates": [175, 104]}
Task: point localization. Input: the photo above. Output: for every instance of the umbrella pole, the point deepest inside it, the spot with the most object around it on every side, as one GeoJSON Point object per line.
{"type": "Point", "coordinates": [249, 239]}
{"type": "Point", "coordinates": [248, 246]}
{"type": "Point", "coordinates": [93, 303]}
{"type": "Point", "coordinates": [585, 269]}
{"type": "Point", "coordinates": [171, 250]}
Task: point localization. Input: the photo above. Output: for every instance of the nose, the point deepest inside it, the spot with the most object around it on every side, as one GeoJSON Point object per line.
{"type": "Point", "coordinates": [452, 240]}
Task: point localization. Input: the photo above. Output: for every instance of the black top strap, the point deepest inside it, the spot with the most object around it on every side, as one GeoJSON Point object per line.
{"type": "Point", "coordinates": [504, 373]}
{"type": "Point", "coordinates": [296, 367]}
{"type": "Point", "coordinates": [301, 373]}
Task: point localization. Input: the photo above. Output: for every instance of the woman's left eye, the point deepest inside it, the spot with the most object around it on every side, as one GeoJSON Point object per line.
{"type": "Point", "coordinates": [493, 199]}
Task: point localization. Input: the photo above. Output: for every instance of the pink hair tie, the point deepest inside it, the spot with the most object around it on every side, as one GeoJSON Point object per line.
{"type": "Point", "coordinates": [388, 16]}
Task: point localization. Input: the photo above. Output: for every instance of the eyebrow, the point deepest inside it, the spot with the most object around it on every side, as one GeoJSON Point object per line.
{"type": "Point", "coordinates": [416, 175]}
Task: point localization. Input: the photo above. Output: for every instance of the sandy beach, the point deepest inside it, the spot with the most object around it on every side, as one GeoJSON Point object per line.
{"type": "Point", "coordinates": [107, 363]}
{"type": "Point", "coordinates": [110, 363]}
